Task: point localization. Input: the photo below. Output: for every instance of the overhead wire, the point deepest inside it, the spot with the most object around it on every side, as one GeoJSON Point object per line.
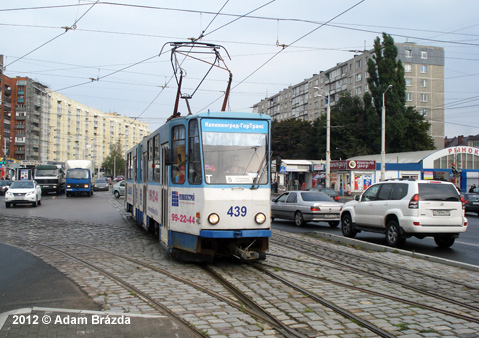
{"type": "Point", "coordinates": [56, 37]}
{"type": "Point", "coordinates": [286, 46]}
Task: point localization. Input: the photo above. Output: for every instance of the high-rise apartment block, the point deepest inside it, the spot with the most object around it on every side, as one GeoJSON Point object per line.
{"type": "Point", "coordinates": [41, 126]}
{"type": "Point", "coordinates": [423, 73]}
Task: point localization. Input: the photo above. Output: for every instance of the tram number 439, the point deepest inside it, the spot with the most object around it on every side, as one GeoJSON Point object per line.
{"type": "Point", "coordinates": [237, 211]}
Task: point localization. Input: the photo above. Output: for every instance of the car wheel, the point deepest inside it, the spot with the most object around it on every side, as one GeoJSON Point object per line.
{"type": "Point", "coordinates": [333, 224]}
{"type": "Point", "coordinates": [393, 234]}
{"type": "Point", "coordinates": [117, 194]}
{"type": "Point", "coordinates": [444, 242]}
{"type": "Point", "coordinates": [298, 219]}
{"type": "Point", "coordinates": [40, 202]}
{"type": "Point", "coordinates": [7, 204]}
{"type": "Point", "coordinates": [35, 204]}
{"type": "Point", "coordinates": [347, 226]}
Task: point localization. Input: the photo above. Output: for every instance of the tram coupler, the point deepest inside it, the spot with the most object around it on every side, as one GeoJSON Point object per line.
{"type": "Point", "coordinates": [246, 255]}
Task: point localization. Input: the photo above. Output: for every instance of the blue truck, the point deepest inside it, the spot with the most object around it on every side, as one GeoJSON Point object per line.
{"type": "Point", "coordinates": [80, 177]}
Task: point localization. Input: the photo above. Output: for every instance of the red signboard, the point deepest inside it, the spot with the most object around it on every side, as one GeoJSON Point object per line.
{"type": "Point", "coordinates": [353, 165]}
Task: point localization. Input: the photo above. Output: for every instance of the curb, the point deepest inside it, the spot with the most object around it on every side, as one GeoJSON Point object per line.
{"type": "Point", "coordinates": [382, 248]}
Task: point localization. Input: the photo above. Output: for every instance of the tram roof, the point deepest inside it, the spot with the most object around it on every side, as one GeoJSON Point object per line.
{"type": "Point", "coordinates": [234, 115]}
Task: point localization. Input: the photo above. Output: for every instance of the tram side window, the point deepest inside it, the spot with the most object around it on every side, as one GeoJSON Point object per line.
{"type": "Point", "coordinates": [150, 160]}
{"type": "Point", "coordinates": [179, 152]}
{"type": "Point", "coordinates": [194, 154]}
{"type": "Point", "coordinates": [129, 171]}
{"type": "Point", "coordinates": [156, 158]}
{"type": "Point", "coordinates": [135, 168]}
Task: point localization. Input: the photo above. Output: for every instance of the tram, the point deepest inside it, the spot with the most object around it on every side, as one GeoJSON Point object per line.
{"type": "Point", "coordinates": [201, 183]}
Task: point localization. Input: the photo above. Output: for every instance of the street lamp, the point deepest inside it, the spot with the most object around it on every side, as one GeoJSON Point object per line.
{"type": "Point", "coordinates": [383, 137]}
{"type": "Point", "coordinates": [328, 140]}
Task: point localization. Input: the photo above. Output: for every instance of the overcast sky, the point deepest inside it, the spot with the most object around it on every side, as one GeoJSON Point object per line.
{"type": "Point", "coordinates": [118, 44]}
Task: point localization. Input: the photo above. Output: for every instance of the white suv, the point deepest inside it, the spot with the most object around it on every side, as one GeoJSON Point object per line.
{"type": "Point", "coordinates": [403, 208]}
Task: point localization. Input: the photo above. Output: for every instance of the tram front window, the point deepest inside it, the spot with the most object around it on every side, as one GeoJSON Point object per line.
{"type": "Point", "coordinates": [235, 158]}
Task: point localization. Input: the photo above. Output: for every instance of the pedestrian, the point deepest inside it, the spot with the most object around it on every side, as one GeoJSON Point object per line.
{"type": "Point", "coordinates": [472, 188]}
{"type": "Point", "coordinates": [275, 186]}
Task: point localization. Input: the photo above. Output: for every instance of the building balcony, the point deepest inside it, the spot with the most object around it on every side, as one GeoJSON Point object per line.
{"type": "Point", "coordinates": [19, 152]}
{"type": "Point", "coordinates": [20, 118]}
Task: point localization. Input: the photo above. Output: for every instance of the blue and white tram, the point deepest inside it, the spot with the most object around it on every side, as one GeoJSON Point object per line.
{"type": "Point", "coordinates": [201, 182]}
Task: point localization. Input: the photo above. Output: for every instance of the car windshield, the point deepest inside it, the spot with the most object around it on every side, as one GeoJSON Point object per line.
{"type": "Point", "coordinates": [438, 192]}
{"type": "Point", "coordinates": [45, 172]}
{"type": "Point", "coordinates": [472, 197]}
{"type": "Point", "coordinates": [22, 185]}
{"type": "Point", "coordinates": [3, 183]}
{"type": "Point", "coordinates": [315, 197]}
{"type": "Point", "coordinates": [100, 180]}
{"type": "Point", "coordinates": [329, 191]}
{"type": "Point", "coordinates": [77, 173]}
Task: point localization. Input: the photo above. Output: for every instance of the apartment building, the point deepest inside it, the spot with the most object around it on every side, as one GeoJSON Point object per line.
{"type": "Point", "coordinates": [81, 132]}
{"type": "Point", "coordinates": [40, 125]}
{"type": "Point", "coordinates": [424, 77]}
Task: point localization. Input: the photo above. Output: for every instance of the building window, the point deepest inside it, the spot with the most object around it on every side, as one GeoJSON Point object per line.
{"type": "Point", "coordinates": [408, 82]}
{"type": "Point", "coordinates": [423, 69]}
{"type": "Point", "coordinates": [407, 68]}
{"type": "Point", "coordinates": [408, 96]}
{"type": "Point", "coordinates": [423, 97]}
{"type": "Point", "coordinates": [358, 91]}
{"type": "Point", "coordinates": [408, 53]}
{"type": "Point", "coordinates": [423, 83]}
{"type": "Point", "coordinates": [423, 111]}
{"type": "Point", "coordinates": [423, 55]}
{"type": "Point", "coordinates": [358, 77]}
{"type": "Point", "coordinates": [358, 64]}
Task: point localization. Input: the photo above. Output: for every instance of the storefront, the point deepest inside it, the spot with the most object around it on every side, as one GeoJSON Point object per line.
{"type": "Point", "coordinates": [459, 165]}
{"type": "Point", "coordinates": [352, 175]}
{"type": "Point", "coordinates": [293, 175]}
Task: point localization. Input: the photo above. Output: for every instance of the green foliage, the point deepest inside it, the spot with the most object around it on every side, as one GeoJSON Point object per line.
{"type": "Point", "coordinates": [115, 160]}
{"type": "Point", "coordinates": [406, 129]}
{"type": "Point", "coordinates": [292, 139]}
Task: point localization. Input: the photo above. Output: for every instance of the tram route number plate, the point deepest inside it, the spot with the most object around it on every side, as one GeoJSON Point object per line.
{"type": "Point", "coordinates": [441, 213]}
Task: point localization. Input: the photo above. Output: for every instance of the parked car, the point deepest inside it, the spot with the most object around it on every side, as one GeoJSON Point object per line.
{"type": "Point", "coordinates": [23, 192]}
{"type": "Point", "coordinates": [119, 189]}
{"type": "Point", "coordinates": [101, 184]}
{"type": "Point", "coordinates": [403, 208]}
{"type": "Point", "coordinates": [4, 184]}
{"type": "Point", "coordinates": [472, 202]}
{"type": "Point", "coordinates": [306, 206]}
{"type": "Point", "coordinates": [119, 178]}
{"type": "Point", "coordinates": [328, 191]}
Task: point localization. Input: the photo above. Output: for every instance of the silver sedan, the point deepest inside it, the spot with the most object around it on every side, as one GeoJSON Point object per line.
{"type": "Point", "coordinates": [306, 206]}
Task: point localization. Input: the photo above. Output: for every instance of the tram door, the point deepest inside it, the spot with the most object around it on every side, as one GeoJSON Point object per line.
{"type": "Point", "coordinates": [144, 172]}
{"type": "Point", "coordinates": [164, 196]}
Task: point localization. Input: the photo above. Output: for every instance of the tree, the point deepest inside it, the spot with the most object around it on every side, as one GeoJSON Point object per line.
{"type": "Point", "coordinates": [292, 139]}
{"type": "Point", "coordinates": [406, 129]}
{"type": "Point", "coordinates": [114, 164]}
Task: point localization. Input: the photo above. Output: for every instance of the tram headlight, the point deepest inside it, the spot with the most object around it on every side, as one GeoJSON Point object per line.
{"type": "Point", "coordinates": [213, 219]}
{"type": "Point", "coordinates": [260, 218]}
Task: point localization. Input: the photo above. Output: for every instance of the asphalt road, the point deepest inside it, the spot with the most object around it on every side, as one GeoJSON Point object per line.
{"type": "Point", "coordinates": [464, 250]}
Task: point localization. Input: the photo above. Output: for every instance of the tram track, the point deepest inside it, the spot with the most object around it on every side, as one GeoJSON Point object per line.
{"type": "Point", "coordinates": [242, 303]}
{"type": "Point", "coordinates": [310, 251]}
{"type": "Point", "coordinates": [263, 267]}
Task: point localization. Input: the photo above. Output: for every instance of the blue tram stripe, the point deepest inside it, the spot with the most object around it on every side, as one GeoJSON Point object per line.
{"type": "Point", "coordinates": [234, 233]}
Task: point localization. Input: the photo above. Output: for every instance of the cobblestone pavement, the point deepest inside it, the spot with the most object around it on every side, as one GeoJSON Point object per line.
{"type": "Point", "coordinates": [68, 246]}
